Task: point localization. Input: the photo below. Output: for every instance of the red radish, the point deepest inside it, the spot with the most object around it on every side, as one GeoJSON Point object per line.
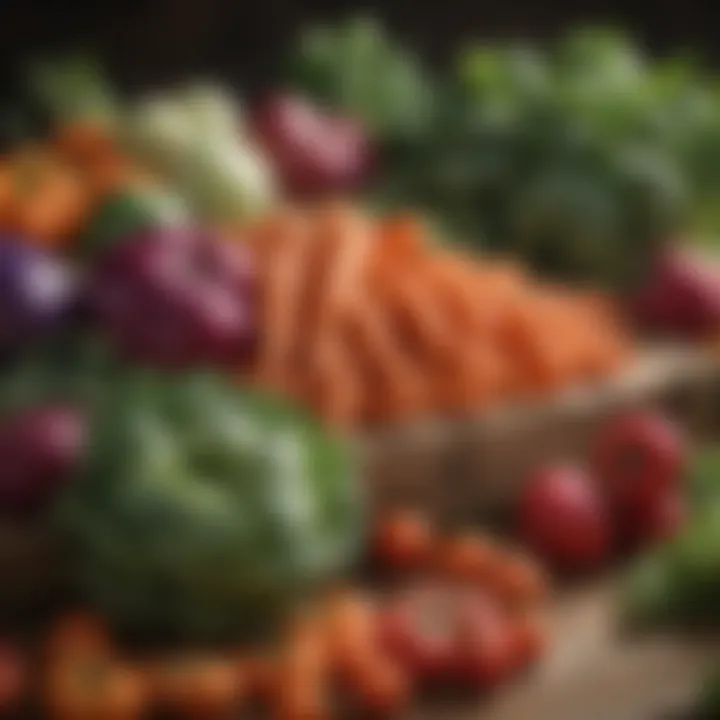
{"type": "Point", "coordinates": [638, 457]}
{"type": "Point", "coordinates": [659, 520]}
{"type": "Point", "coordinates": [681, 295]}
{"type": "Point", "coordinates": [40, 449]}
{"type": "Point", "coordinates": [563, 518]}
{"type": "Point", "coordinates": [313, 152]}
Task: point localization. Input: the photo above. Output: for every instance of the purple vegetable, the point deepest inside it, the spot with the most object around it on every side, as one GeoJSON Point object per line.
{"type": "Point", "coordinates": [37, 291]}
{"type": "Point", "coordinates": [176, 298]}
{"type": "Point", "coordinates": [40, 448]}
{"type": "Point", "coordinates": [680, 296]}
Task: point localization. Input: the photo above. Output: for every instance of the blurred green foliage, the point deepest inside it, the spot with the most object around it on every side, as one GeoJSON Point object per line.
{"type": "Point", "coordinates": [581, 157]}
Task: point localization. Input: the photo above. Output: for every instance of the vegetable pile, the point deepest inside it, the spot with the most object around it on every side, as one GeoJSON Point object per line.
{"type": "Point", "coordinates": [474, 622]}
{"type": "Point", "coordinates": [629, 498]}
{"type": "Point", "coordinates": [580, 157]}
{"type": "Point", "coordinates": [369, 321]}
{"type": "Point", "coordinates": [198, 303]}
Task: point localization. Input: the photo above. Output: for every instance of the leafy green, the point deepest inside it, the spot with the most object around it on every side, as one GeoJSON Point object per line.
{"type": "Point", "coordinates": [355, 66]}
{"type": "Point", "coordinates": [580, 157]}
{"type": "Point", "coordinates": [206, 509]}
{"type": "Point", "coordinates": [679, 583]}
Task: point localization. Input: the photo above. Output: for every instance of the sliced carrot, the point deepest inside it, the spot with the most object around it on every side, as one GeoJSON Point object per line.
{"type": "Point", "coordinates": [403, 235]}
{"type": "Point", "coordinates": [335, 386]}
{"type": "Point", "coordinates": [281, 246]}
{"type": "Point", "coordinates": [342, 244]}
{"type": "Point", "coordinates": [396, 386]}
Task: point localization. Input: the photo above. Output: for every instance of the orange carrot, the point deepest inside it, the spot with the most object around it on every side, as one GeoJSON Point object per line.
{"type": "Point", "coordinates": [281, 246]}
{"type": "Point", "coordinates": [396, 385]}
{"type": "Point", "coordinates": [335, 386]}
{"type": "Point", "coordinates": [342, 246]}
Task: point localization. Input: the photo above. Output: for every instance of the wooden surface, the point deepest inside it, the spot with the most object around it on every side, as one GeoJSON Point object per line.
{"type": "Point", "coordinates": [594, 673]}
{"type": "Point", "coordinates": [461, 468]}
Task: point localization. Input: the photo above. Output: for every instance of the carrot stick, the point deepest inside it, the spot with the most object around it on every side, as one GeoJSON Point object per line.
{"type": "Point", "coordinates": [282, 245]}
{"type": "Point", "coordinates": [342, 245]}
{"type": "Point", "coordinates": [335, 387]}
{"type": "Point", "coordinates": [396, 386]}
{"type": "Point", "coordinates": [405, 291]}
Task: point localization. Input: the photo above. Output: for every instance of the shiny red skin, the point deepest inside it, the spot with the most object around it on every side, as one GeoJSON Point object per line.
{"type": "Point", "coordinates": [313, 152]}
{"type": "Point", "coordinates": [680, 295]}
{"type": "Point", "coordinates": [40, 448]}
{"type": "Point", "coordinates": [659, 520]}
{"type": "Point", "coordinates": [488, 652]}
{"type": "Point", "coordinates": [419, 632]}
{"type": "Point", "coordinates": [562, 517]}
{"type": "Point", "coordinates": [177, 298]}
{"type": "Point", "coordinates": [638, 457]}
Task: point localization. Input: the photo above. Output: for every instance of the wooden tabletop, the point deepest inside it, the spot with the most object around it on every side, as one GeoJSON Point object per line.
{"type": "Point", "coordinates": [594, 673]}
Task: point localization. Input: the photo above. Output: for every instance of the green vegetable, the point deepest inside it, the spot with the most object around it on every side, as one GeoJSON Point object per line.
{"type": "Point", "coordinates": [192, 136]}
{"type": "Point", "coordinates": [709, 706]}
{"type": "Point", "coordinates": [357, 68]}
{"type": "Point", "coordinates": [581, 157]}
{"type": "Point", "coordinates": [680, 582]}
{"type": "Point", "coordinates": [205, 510]}
{"type": "Point", "coordinates": [128, 211]}
{"type": "Point", "coordinates": [71, 368]}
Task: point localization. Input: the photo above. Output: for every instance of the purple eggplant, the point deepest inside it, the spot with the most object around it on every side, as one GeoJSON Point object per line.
{"type": "Point", "coordinates": [37, 294]}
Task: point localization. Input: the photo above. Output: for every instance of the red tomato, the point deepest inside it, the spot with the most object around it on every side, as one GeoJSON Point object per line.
{"type": "Point", "coordinates": [531, 638]}
{"type": "Point", "coordinates": [419, 631]}
{"type": "Point", "coordinates": [638, 457]}
{"type": "Point", "coordinates": [488, 653]}
{"type": "Point", "coordinates": [468, 558]}
{"type": "Point", "coordinates": [403, 541]}
{"type": "Point", "coordinates": [563, 518]}
{"type": "Point", "coordinates": [658, 520]}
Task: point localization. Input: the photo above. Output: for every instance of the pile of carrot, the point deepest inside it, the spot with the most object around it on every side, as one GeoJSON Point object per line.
{"type": "Point", "coordinates": [368, 320]}
{"type": "Point", "coordinates": [350, 649]}
{"type": "Point", "coordinates": [48, 190]}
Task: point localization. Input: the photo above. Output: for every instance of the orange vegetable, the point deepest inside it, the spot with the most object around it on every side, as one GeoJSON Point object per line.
{"type": "Point", "coordinates": [281, 246]}
{"type": "Point", "coordinates": [395, 386]}
{"type": "Point", "coordinates": [350, 621]}
{"type": "Point", "coordinates": [93, 689]}
{"type": "Point", "coordinates": [84, 143]}
{"type": "Point", "coordinates": [197, 687]}
{"type": "Point", "coordinates": [301, 689]}
{"type": "Point", "coordinates": [531, 637]}
{"type": "Point", "coordinates": [380, 686]}
{"type": "Point", "coordinates": [342, 245]}
{"type": "Point", "coordinates": [335, 385]}
{"type": "Point", "coordinates": [518, 581]}
{"type": "Point", "coordinates": [13, 679]}
{"type": "Point", "coordinates": [48, 203]}
{"type": "Point", "coordinates": [365, 321]}
{"type": "Point", "coordinates": [467, 558]}
{"type": "Point", "coordinates": [78, 635]}
{"type": "Point", "coordinates": [403, 541]}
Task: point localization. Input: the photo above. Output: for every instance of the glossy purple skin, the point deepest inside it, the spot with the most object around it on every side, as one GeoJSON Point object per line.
{"type": "Point", "coordinates": [177, 298]}
{"type": "Point", "coordinates": [37, 293]}
{"type": "Point", "coordinates": [40, 449]}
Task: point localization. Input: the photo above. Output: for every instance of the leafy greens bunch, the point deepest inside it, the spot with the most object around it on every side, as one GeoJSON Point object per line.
{"type": "Point", "coordinates": [580, 157]}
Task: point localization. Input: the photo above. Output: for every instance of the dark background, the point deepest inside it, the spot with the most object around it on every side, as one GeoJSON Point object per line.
{"type": "Point", "coordinates": [149, 41]}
